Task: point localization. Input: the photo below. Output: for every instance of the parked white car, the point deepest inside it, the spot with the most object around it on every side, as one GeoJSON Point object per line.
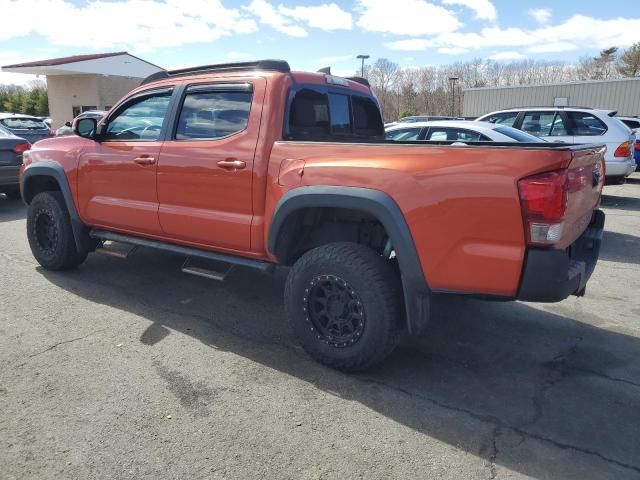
{"type": "Point", "coordinates": [576, 125]}
{"type": "Point", "coordinates": [458, 131]}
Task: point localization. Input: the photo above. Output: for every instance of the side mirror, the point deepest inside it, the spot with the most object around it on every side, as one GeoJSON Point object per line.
{"type": "Point", "coordinates": [86, 128]}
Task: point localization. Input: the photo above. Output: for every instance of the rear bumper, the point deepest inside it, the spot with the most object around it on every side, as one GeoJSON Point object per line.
{"type": "Point", "coordinates": [9, 175]}
{"type": "Point", "coordinates": [621, 168]}
{"type": "Point", "coordinates": [553, 275]}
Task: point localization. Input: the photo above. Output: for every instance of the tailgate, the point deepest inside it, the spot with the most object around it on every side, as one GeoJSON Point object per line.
{"type": "Point", "coordinates": [585, 183]}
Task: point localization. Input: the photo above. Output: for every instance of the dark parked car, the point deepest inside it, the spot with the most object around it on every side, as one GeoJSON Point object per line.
{"type": "Point", "coordinates": [30, 128]}
{"type": "Point", "coordinates": [11, 149]}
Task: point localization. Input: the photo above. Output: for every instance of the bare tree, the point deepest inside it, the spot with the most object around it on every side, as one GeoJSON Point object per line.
{"type": "Point", "coordinates": [629, 63]}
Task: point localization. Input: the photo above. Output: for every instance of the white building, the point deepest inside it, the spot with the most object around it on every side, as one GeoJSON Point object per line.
{"type": "Point", "coordinates": [86, 82]}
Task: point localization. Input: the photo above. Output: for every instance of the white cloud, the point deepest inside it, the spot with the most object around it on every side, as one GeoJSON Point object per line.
{"type": "Point", "coordinates": [540, 15]}
{"type": "Point", "coordinates": [142, 25]}
{"type": "Point", "coordinates": [577, 31]}
{"type": "Point", "coordinates": [406, 17]}
{"type": "Point", "coordinates": [507, 56]}
{"type": "Point", "coordinates": [326, 17]}
{"type": "Point", "coordinates": [268, 15]}
{"type": "Point", "coordinates": [484, 9]}
{"type": "Point", "coordinates": [287, 20]}
{"type": "Point", "coordinates": [452, 50]}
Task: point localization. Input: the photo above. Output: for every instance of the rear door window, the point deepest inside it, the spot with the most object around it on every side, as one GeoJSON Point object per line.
{"type": "Point", "coordinates": [211, 115]}
{"type": "Point", "coordinates": [586, 124]}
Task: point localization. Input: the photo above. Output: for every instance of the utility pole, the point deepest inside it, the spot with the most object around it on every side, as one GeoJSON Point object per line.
{"type": "Point", "coordinates": [363, 58]}
{"type": "Point", "coordinates": [453, 81]}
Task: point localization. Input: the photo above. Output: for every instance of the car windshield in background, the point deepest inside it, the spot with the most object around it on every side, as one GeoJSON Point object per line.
{"type": "Point", "coordinates": [17, 123]}
{"type": "Point", "coordinates": [518, 135]}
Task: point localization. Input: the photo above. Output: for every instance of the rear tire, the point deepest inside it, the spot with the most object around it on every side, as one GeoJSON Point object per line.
{"type": "Point", "coordinates": [50, 234]}
{"type": "Point", "coordinates": [344, 304]}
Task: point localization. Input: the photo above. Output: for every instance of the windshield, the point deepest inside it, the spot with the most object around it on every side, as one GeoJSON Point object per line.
{"type": "Point", "coordinates": [23, 123]}
{"type": "Point", "coordinates": [518, 135]}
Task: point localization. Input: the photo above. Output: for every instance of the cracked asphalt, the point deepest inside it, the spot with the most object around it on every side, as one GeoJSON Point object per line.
{"type": "Point", "coordinates": [131, 369]}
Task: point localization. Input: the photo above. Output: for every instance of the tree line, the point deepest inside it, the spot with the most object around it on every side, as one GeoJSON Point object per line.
{"type": "Point", "coordinates": [31, 99]}
{"type": "Point", "coordinates": [430, 90]}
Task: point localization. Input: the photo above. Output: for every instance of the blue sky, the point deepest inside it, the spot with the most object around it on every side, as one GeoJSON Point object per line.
{"type": "Point", "coordinates": [312, 34]}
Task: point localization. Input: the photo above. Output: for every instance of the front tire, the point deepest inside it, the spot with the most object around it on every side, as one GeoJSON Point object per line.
{"type": "Point", "coordinates": [50, 234]}
{"type": "Point", "coordinates": [344, 304]}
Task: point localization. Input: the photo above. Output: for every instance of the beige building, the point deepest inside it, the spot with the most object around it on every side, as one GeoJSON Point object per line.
{"type": "Point", "coordinates": [622, 95]}
{"type": "Point", "coordinates": [86, 82]}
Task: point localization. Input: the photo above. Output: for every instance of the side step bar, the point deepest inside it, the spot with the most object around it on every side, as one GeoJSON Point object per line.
{"type": "Point", "coordinates": [261, 265]}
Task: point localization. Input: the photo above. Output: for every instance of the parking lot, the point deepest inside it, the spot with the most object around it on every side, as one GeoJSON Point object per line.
{"type": "Point", "coordinates": [131, 369]}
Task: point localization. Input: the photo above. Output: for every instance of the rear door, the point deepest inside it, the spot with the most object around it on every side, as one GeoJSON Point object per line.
{"type": "Point", "coordinates": [549, 125]}
{"type": "Point", "coordinates": [205, 172]}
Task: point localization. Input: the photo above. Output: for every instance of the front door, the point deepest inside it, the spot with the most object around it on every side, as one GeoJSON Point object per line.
{"type": "Point", "coordinates": [205, 172]}
{"type": "Point", "coordinates": [117, 176]}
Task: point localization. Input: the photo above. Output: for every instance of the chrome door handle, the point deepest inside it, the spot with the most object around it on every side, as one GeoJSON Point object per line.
{"type": "Point", "coordinates": [143, 160]}
{"type": "Point", "coordinates": [230, 164]}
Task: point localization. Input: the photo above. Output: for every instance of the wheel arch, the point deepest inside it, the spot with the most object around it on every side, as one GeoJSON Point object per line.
{"type": "Point", "coordinates": [47, 176]}
{"type": "Point", "coordinates": [380, 206]}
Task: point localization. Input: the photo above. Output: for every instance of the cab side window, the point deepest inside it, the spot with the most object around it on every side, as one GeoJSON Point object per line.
{"type": "Point", "coordinates": [140, 120]}
{"type": "Point", "coordinates": [213, 114]}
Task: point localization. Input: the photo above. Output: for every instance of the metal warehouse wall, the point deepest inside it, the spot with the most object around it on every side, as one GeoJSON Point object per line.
{"type": "Point", "coordinates": [622, 95]}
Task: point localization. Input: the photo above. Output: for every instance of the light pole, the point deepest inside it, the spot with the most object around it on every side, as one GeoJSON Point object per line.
{"type": "Point", "coordinates": [363, 58]}
{"type": "Point", "coordinates": [453, 81]}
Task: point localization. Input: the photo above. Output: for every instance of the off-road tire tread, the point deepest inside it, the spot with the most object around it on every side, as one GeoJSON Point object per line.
{"type": "Point", "coordinates": [382, 278]}
{"type": "Point", "coordinates": [67, 257]}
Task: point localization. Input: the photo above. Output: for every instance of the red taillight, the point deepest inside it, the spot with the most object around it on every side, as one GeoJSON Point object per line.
{"type": "Point", "coordinates": [52, 133]}
{"type": "Point", "coordinates": [20, 148]}
{"type": "Point", "coordinates": [624, 150]}
{"type": "Point", "coordinates": [544, 202]}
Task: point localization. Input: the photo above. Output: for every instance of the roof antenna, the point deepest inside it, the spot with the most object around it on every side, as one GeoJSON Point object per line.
{"type": "Point", "coordinates": [326, 70]}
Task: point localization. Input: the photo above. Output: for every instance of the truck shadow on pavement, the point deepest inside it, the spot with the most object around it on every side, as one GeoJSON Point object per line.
{"type": "Point", "coordinates": [11, 210]}
{"type": "Point", "coordinates": [621, 203]}
{"type": "Point", "coordinates": [620, 247]}
{"type": "Point", "coordinates": [528, 389]}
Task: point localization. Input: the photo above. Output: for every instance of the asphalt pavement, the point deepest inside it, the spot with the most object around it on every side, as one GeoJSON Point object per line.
{"type": "Point", "coordinates": [131, 369]}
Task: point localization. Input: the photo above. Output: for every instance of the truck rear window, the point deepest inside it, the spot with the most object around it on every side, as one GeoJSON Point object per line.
{"type": "Point", "coordinates": [318, 114]}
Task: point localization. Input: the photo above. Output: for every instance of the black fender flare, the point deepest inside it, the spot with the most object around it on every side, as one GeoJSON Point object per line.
{"type": "Point", "coordinates": [386, 210]}
{"type": "Point", "coordinates": [54, 170]}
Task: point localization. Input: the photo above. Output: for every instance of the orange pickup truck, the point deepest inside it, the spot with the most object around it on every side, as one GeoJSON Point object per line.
{"type": "Point", "coordinates": [252, 164]}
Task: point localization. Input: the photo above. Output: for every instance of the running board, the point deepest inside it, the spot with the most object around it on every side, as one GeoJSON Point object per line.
{"type": "Point", "coordinates": [261, 265]}
{"type": "Point", "coordinates": [201, 267]}
{"type": "Point", "coordinates": [116, 249]}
